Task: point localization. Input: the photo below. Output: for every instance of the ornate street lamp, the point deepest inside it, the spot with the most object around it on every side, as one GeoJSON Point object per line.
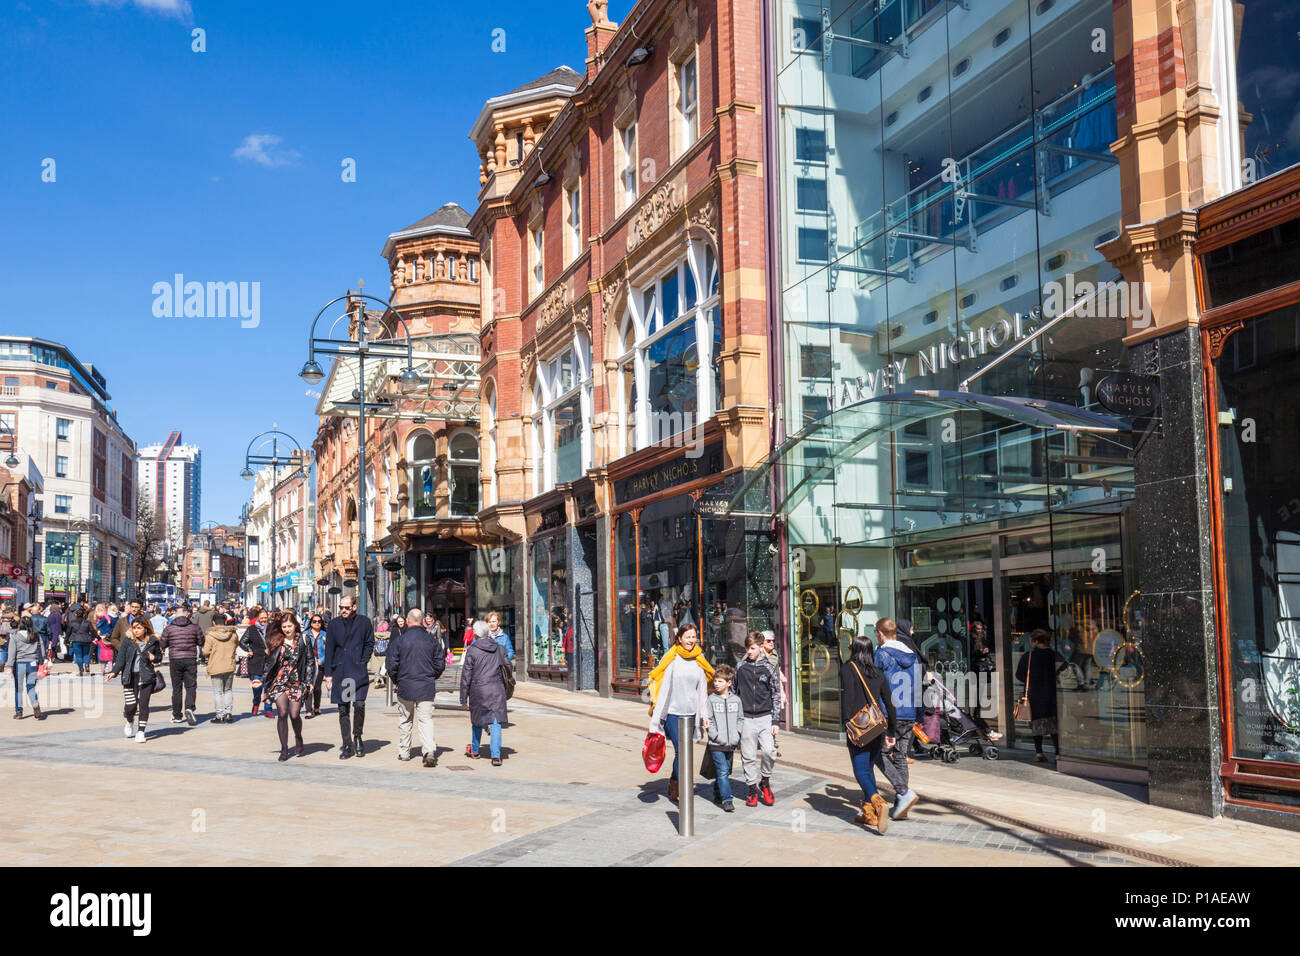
{"type": "Point", "coordinates": [272, 437]}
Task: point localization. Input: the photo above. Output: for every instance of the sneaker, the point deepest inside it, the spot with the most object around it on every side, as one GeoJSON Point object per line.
{"type": "Point", "coordinates": [469, 752]}
{"type": "Point", "coordinates": [728, 807]}
{"type": "Point", "coordinates": [178, 720]}
{"type": "Point", "coordinates": [189, 718]}
{"type": "Point", "coordinates": [751, 800]}
{"type": "Point", "coordinates": [126, 730]}
{"type": "Point", "coordinates": [765, 793]}
{"type": "Point", "coordinates": [403, 756]}
{"type": "Point", "coordinates": [139, 736]}
{"type": "Point", "coordinates": [904, 804]}
{"type": "Point", "coordinates": [496, 761]}
{"type": "Point", "coordinates": [431, 760]}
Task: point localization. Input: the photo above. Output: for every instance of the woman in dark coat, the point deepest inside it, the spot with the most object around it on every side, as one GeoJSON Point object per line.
{"type": "Point", "coordinates": [349, 642]}
{"type": "Point", "coordinates": [81, 637]}
{"type": "Point", "coordinates": [290, 671]}
{"type": "Point", "coordinates": [1037, 670]}
{"type": "Point", "coordinates": [136, 661]}
{"type": "Point", "coordinates": [253, 642]}
{"type": "Point", "coordinates": [856, 676]}
{"type": "Point", "coordinates": [483, 688]}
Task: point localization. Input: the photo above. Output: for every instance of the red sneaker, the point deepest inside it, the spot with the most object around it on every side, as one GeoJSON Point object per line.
{"type": "Point", "coordinates": [752, 799]}
{"type": "Point", "coordinates": [765, 793]}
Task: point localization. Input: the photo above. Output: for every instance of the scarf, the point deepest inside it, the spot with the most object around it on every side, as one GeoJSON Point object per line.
{"type": "Point", "coordinates": [657, 675]}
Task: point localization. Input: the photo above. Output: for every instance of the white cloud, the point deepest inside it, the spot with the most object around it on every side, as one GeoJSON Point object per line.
{"type": "Point", "coordinates": [171, 8]}
{"type": "Point", "coordinates": [264, 149]}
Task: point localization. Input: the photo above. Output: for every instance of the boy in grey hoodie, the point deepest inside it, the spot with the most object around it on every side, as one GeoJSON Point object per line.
{"type": "Point", "coordinates": [724, 733]}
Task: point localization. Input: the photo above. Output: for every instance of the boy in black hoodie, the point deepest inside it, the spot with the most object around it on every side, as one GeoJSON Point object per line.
{"type": "Point", "coordinates": [758, 684]}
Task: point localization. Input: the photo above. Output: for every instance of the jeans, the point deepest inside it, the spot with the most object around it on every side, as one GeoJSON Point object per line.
{"type": "Point", "coordinates": [893, 763]}
{"type": "Point", "coordinates": [670, 731]}
{"type": "Point", "coordinates": [223, 694]}
{"type": "Point", "coordinates": [722, 770]}
{"type": "Point", "coordinates": [494, 738]}
{"type": "Point", "coordinates": [25, 674]}
{"type": "Point", "coordinates": [184, 672]}
{"type": "Point", "coordinates": [81, 655]}
{"type": "Point", "coordinates": [420, 712]}
{"type": "Point", "coordinates": [864, 765]}
{"type": "Point", "coordinates": [257, 695]}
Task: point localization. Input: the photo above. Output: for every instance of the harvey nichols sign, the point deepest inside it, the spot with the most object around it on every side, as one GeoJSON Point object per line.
{"type": "Point", "coordinates": [937, 358]}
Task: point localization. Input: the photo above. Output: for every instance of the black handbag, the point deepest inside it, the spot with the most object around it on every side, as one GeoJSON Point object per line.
{"type": "Point", "coordinates": [159, 682]}
{"type": "Point", "coordinates": [508, 678]}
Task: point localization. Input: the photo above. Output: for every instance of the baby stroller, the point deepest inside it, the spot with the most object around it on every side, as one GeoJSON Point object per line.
{"type": "Point", "coordinates": [945, 728]}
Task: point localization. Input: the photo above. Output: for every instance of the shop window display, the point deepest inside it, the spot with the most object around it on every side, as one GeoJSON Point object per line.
{"type": "Point", "coordinates": [552, 633]}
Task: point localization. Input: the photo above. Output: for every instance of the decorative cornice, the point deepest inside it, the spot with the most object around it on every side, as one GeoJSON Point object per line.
{"type": "Point", "coordinates": [553, 306]}
{"type": "Point", "coordinates": [582, 317]}
{"type": "Point", "coordinates": [656, 210]}
{"type": "Point", "coordinates": [527, 357]}
{"type": "Point", "coordinates": [1218, 336]}
{"type": "Point", "coordinates": [610, 294]}
{"type": "Point", "coordinates": [1141, 240]}
{"type": "Point", "coordinates": [706, 218]}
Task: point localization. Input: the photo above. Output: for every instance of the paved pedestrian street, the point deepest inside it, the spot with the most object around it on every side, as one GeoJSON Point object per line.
{"type": "Point", "coordinates": [572, 791]}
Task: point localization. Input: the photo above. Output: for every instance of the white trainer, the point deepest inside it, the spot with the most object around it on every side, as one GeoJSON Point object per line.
{"type": "Point", "coordinates": [126, 729]}
{"type": "Point", "coordinates": [139, 736]}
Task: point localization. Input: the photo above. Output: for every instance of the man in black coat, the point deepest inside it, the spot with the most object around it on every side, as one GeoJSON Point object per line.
{"type": "Point", "coordinates": [349, 642]}
{"type": "Point", "coordinates": [416, 659]}
{"type": "Point", "coordinates": [182, 640]}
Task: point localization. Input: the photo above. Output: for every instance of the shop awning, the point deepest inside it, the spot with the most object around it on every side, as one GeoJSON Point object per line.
{"type": "Point", "coordinates": [816, 451]}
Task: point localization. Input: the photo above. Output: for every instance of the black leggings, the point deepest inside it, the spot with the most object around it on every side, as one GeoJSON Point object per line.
{"type": "Point", "coordinates": [347, 726]}
{"type": "Point", "coordinates": [316, 687]}
{"type": "Point", "coordinates": [286, 710]}
{"type": "Point", "coordinates": [135, 698]}
{"type": "Point", "coordinates": [1056, 743]}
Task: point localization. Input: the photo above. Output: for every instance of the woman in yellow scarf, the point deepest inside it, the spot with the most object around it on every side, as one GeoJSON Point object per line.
{"type": "Point", "coordinates": [679, 687]}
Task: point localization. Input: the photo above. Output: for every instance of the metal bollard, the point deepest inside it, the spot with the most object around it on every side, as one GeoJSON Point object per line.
{"type": "Point", "coordinates": [685, 777]}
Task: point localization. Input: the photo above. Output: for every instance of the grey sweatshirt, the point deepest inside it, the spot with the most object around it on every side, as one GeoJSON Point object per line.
{"type": "Point", "coordinates": [684, 692]}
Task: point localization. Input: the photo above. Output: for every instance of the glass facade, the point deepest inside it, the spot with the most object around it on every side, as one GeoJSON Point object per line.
{"type": "Point", "coordinates": [945, 178]}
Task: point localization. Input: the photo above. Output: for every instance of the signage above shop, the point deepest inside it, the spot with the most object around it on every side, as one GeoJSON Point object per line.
{"type": "Point", "coordinates": [970, 345]}
{"type": "Point", "coordinates": [1128, 393]}
{"type": "Point", "coordinates": [670, 474]}
{"type": "Point", "coordinates": [552, 518]}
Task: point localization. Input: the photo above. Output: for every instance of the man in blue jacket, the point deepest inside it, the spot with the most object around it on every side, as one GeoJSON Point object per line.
{"type": "Point", "coordinates": [902, 669]}
{"type": "Point", "coordinates": [416, 659]}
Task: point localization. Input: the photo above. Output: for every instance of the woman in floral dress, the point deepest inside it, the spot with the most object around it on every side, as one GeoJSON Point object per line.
{"type": "Point", "coordinates": [290, 671]}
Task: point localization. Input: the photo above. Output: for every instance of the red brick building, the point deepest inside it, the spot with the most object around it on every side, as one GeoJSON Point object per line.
{"type": "Point", "coordinates": [624, 340]}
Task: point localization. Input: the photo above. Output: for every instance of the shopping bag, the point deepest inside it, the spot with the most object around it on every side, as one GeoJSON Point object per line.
{"type": "Point", "coordinates": [708, 770]}
{"type": "Point", "coordinates": [652, 752]}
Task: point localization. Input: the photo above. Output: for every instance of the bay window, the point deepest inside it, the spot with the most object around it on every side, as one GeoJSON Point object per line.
{"type": "Point", "coordinates": [462, 473]}
{"type": "Point", "coordinates": [424, 453]}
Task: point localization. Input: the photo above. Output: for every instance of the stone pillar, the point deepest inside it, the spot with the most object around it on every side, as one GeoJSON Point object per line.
{"type": "Point", "coordinates": [1169, 151]}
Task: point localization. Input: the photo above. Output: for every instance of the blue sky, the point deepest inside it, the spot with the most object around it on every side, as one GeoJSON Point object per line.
{"type": "Point", "coordinates": [144, 134]}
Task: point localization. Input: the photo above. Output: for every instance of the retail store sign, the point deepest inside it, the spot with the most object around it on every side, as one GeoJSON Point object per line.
{"type": "Point", "coordinates": [679, 471]}
{"type": "Point", "coordinates": [939, 357]}
{"type": "Point", "coordinates": [1127, 393]}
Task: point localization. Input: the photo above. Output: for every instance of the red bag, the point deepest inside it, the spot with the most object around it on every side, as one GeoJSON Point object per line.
{"type": "Point", "coordinates": [652, 752]}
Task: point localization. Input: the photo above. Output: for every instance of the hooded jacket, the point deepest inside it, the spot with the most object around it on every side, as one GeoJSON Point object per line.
{"type": "Point", "coordinates": [219, 648]}
{"type": "Point", "coordinates": [902, 669]}
{"type": "Point", "coordinates": [183, 637]}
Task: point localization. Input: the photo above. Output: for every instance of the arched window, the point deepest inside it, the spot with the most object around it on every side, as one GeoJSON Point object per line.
{"type": "Point", "coordinates": [462, 474]}
{"type": "Point", "coordinates": [490, 466]}
{"type": "Point", "coordinates": [424, 476]}
{"type": "Point", "coordinates": [562, 402]}
{"type": "Point", "coordinates": [669, 374]}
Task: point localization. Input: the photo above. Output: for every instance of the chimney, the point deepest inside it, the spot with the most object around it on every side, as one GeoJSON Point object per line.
{"type": "Point", "coordinates": [599, 35]}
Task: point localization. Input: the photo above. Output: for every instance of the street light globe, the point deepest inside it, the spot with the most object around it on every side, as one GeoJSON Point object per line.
{"type": "Point", "coordinates": [311, 372]}
{"type": "Point", "coordinates": [11, 461]}
{"type": "Point", "coordinates": [246, 474]}
{"type": "Point", "coordinates": [409, 376]}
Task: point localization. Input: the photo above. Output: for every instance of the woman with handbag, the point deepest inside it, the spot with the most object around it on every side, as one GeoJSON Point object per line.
{"type": "Point", "coordinates": [867, 709]}
{"type": "Point", "coordinates": [81, 637]}
{"type": "Point", "coordinates": [1037, 705]}
{"type": "Point", "coordinates": [26, 653]}
{"type": "Point", "coordinates": [316, 637]}
{"type": "Point", "coordinates": [290, 671]}
{"type": "Point", "coordinates": [679, 687]}
{"type": "Point", "coordinates": [136, 661]}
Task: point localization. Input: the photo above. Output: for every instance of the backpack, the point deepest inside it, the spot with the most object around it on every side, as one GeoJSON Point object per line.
{"type": "Point", "coordinates": [508, 678]}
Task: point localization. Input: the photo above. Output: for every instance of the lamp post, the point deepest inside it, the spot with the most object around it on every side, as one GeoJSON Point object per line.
{"type": "Point", "coordinates": [272, 437]}
{"type": "Point", "coordinates": [206, 529]}
{"type": "Point", "coordinates": [361, 347]}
